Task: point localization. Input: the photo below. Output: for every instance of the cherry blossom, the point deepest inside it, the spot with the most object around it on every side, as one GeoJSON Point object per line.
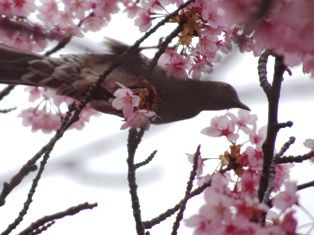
{"type": "Point", "coordinates": [174, 63]}
{"type": "Point", "coordinates": [287, 198]}
{"type": "Point", "coordinates": [125, 100]}
{"type": "Point", "coordinates": [243, 120]}
{"type": "Point", "coordinates": [40, 120]}
{"type": "Point", "coordinates": [282, 175]}
{"type": "Point", "coordinates": [221, 126]}
{"type": "Point", "coordinates": [48, 113]}
{"type": "Point", "coordinates": [258, 137]}
{"type": "Point", "coordinates": [139, 119]}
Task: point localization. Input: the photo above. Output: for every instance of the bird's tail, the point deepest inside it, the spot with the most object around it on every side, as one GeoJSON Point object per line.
{"type": "Point", "coordinates": [14, 63]}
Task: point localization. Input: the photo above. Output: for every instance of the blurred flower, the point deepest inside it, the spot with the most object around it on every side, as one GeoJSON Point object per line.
{"type": "Point", "coordinates": [221, 126]}
{"type": "Point", "coordinates": [287, 198]}
{"type": "Point", "coordinates": [125, 100]}
{"type": "Point", "coordinates": [139, 119]}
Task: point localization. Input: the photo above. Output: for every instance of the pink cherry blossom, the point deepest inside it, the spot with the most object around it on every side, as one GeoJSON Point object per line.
{"type": "Point", "coordinates": [143, 20]}
{"type": "Point", "coordinates": [287, 198]}
{"type": "Point", "coordinates": [220, 183]}
{"type": "Point", "coordinates": [85, 116]}
{"type": "Point", "coordinates": [139, 119]}
{"type": "Point", "coordinates": [217, 206]}
{"type": "Point", "coordinates": [174, 63]}
{"type": "Point", "coordinates": [255, 158]}
{"type": "Point", "coordinates": [125, 100]}
{"type": "Point", "coordinates": [258, 138]}
{"type": "Point", "coordinates": [34, 93]}
{"type": "Point", "coordinates": [249, 183]}
{"type": "Point", "coordinates": [201, 223]}
{"type": "Point", "coordinates": [289, 223]}
{"type": "Point", "coordinates": [221, 126]}
{"type": "Point", "coordinates": [243, 120]}
{"type": "Point", "coordinates": [282, 175]}
{"type": "Point", "coordinates": [40, 120]}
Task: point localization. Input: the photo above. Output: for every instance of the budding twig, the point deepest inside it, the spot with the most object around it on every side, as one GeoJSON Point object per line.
{"type": "Point", "coordinates": [6, 91]}
{"type": "Point", "coordinates": [49, 220]}
{"type": "Point", "coordinates": [147, 160]}
{"type": "Point", "coordinates": [149, 224]}
{"type": "Point", "coordinates": [187, 192]}
{"type": "Point", "coordinates": [306, 185]}
{"type": "Point", "coordinates": [292, 159]}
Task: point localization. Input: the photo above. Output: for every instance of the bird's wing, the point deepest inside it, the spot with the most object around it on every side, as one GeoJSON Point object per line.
{"type": "Point", "coordinates": [72, 75]}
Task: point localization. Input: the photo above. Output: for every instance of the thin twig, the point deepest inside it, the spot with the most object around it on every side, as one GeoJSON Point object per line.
{"type": "Point", "coordinates": [187, 194]}
{"type": "Point", "coordinates": [6, 91]}
{"type": "Point", "coordinates": [149, 224]}
{"type": "Point", "coordinates": [285, 147]}
{"type": "Point", "coordinates": [306, 185]}
{"type": "Point", "coordinates": [293, 159]}
{"type": "Point", "coordinates": [146, 161]}
{"type": "Point", "coordinates": [59, 215]}
{"type": "Point", "coordinates": [15, 180]}
{"type": "Point", "coordinates": [7, 110]}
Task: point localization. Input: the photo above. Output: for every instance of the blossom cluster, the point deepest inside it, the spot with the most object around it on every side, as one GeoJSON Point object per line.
{"type": "Point", "coordinates": [231, 202]}
{"type": "Point", "coordinates": [285, 26]}
{"type": "Point", "coordinates": [129, 103]}
{"type": "Point", "coordinates": [48, 114]}
{"type": "Point", "coordinates": [39, 21]}
{"type": "Point", "coordinates": [208, 27]}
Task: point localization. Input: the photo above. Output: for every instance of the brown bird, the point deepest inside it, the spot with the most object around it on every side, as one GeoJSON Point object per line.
{"type": "Point", "coordinates": [72, 75]}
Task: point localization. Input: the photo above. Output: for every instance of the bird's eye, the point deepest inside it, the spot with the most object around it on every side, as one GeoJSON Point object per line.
{"type": "Point", "coordinates": [227, 86]}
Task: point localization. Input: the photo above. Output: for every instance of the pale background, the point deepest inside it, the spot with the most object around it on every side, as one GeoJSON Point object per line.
{"type": "Point", "coordinates": [90, 165]}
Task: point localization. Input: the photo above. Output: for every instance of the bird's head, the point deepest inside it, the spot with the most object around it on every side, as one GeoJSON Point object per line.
{"type": "Point", "coordinates": [217, 96]}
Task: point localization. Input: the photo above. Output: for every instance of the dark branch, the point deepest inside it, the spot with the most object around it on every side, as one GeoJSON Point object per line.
{"type": "Point", "coordinates": [306, 185]}
{"type": "Point", "coordinates": [15, 180]}
{"type": "Point", "coordinates": [187, 192]}
{"type": "Point", "coordinates": [273, 95]}
{"type": "Point", "coordinates": [262, 71]}
{"type": "Point", "coordinates": [284, 125]}
{"type": "Point", "coordinates": [6, 91]}
{"type": "Point", "coordinates": [50, 219]}
{"type": "Point", "coordinates": [293, 159]}
{"type": "Point", "coordinates": [146, 161]}
{"type": "Point", "coordinates": [133, 141]}
{"type": "Point", "coordinates": [149, 224]}
{"type": "Point", "coordinates": [7, 110]}
{"type": "Point", "coordinates": [285, 147]}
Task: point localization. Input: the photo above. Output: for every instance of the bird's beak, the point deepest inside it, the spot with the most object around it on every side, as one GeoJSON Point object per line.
{"type": "Point", "coordinates": [240, 105]}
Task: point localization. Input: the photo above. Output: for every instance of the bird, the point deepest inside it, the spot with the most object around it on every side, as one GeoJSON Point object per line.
{"type": "Point", "coordinates": [71, 75]}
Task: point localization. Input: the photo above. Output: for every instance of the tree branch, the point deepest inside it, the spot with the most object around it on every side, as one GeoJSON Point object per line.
{"type": "Point", "coordinates": [273, 95]}
{"type": "Point", "coordinates": [50, 219]}
{"type": "Point", "coordinates": [133, 142]}
{"type": "Point", "coordinates": [187, 192]}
